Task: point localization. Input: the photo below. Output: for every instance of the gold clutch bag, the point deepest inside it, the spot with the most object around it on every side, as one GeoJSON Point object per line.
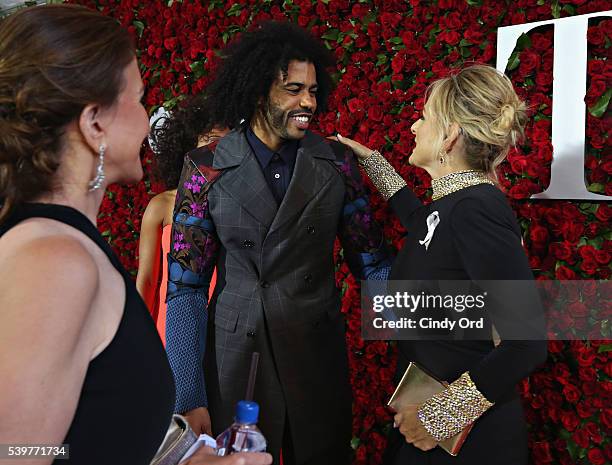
{"type": "Point", "coordinates": [416, 387]}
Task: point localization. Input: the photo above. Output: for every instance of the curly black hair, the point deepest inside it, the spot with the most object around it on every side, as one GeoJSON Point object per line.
{"type": "Point", "coordinates": [177, 135]}
{"type": "Point", "coordinates": [251, 64]}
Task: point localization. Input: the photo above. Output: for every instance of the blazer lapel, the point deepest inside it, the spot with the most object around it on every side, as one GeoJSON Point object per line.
{"type": "Point", "coordinates": [246, 183]}
{"type": "Point", "coordinates": [307, 181]}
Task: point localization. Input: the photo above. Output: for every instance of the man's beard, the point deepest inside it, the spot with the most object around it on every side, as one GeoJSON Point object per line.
{"type": "Point", "coordinates": [279, 120]}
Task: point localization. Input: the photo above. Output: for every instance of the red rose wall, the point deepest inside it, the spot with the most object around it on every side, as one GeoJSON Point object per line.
{"type": "Point", "coordinates": [387, 54]}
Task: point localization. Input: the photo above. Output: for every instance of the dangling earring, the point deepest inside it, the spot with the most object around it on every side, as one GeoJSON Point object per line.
{"type": "Point", "coordinates": [97, 182]}
{"type": "Point", "coordinates": [441, 156]}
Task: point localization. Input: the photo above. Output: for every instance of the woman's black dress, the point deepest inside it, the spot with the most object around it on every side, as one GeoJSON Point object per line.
{"type": "Point", "coordinates": [477, 238]}
{"type": "Point", "coordinates": [127, 398]}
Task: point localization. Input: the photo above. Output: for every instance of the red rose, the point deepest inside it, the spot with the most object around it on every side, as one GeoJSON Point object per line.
{"type": "Point", "coordinates": [170, 43]}
{"type": "Point", "coordinates": [538, 234]}
{"type": "Point", "coordinates": [602, 257]}
{"type": "Point", "coordinates": [529, 61]}
{"type": "Point", "coordinates": [589, 389]}
{"type": "Point", "coordinates": [585, 356]}
{"type": "Point", "coordinates": [572, 231]}
{"type": "Point", "coordinates": [554, 398]}
{"type": "Point", "coordinates": [596, 456]}
{"type": "Point", "coordinates": [544, 80]}
{"type": "Point", "coordinates": [450, 37]}
{"type": "Point", "coordinates": [569, 420]}
{"type": "Point", "coordinates": [555, 347]}
{"type": "Point", "coordinates": [398, 62]}
{"type": "Point", "coordinates": [581, 438]}
{"type": "Point", "coordinates": [375, 113]}
{"type": "Point", "coordinates": [606, 417]}
{"type": "Point", "coordinates": [474, 36]}
{"type": "Point", "coordinates": [561, 372]}
{"type": "Point", "coordinates": [354, 105]}
{"type": "Point", "coordinates": [560, 444]}
{"type": "Point", "coordinates": [564, 273]}
{"type": "Point", "coordinates": [561, 250]}
{"type": "Point", "coordinates": [453, 20]}
{"type": "Point", "coordinates": [596, 36]}
{"type": "Point", "coordinates": [587, 374]}
{"type": "Point", "coordinates": [522, 189]}
{"type": "Point", "coordinates": [594, 432]}
{"type": "Point", "coordinates": [571, 393]}
{"type": "Point", "coordinates": [584, 410]}
{"type": "Point", "coordinates": [589, 266]}
{"type": "Point", "coordinates": [361, 454]}
{"type": "Point", "coordinates": [540, 42]}
{"type": "Point", "coordinates": [541, 452]}
{"type": "Point", "coordinates": [603, 212]}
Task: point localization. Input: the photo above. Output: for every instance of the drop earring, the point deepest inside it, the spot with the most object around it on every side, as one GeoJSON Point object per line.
{"type": "Point", "coordinates": [97, 182]}
{"type": "Point", "coordinates": [442, 156]}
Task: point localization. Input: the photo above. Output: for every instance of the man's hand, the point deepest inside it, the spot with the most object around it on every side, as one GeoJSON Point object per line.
{"type": "Point", "coordinates": [413, 430]}
{"type": "Point", "coordinates": [199, 420]}
{"type": "Point", "coordinates": [206, 456]}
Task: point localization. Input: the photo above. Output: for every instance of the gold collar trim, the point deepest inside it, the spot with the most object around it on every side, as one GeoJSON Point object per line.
{"type": "Point", "coordinates": [454, 182]}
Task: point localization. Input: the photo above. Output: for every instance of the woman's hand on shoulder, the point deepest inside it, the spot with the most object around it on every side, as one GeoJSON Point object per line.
{"type": "Point", "coordinates": [47, 287]}
{"type": "Point", "coordinates": [361, 151]}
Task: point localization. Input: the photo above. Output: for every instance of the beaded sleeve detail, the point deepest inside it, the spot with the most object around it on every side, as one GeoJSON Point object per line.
{"type": "Point", "coordinates": [382, 174]}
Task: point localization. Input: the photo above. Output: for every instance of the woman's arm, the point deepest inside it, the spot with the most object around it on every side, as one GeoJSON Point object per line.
{"type": "Point", "coordinates": [149, 252]}
{"type": "Point", "coordinates": [47, 287]}
{"type": "Point", "coordinates": [388, 182]}
{"type": "Point", "coordinates": [486, 239]}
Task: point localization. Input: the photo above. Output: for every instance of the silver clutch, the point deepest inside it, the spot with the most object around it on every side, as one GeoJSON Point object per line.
{"type": "Point", "coordinates": [179, 438]}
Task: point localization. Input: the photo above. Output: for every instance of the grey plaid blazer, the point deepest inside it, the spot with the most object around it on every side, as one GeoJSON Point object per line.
{"type": "Point", "coordinates": [275, 291]}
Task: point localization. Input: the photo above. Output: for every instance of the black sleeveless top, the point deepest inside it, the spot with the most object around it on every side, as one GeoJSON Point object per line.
{"type": "Point", "coordinates": [127, 398]}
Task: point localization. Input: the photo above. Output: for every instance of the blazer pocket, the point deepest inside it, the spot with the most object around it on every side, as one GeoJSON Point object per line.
{"type": "Point", "coordinates": [226, 318]}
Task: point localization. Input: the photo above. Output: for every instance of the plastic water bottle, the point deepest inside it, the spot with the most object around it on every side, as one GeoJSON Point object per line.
{"type": "Point", "coordinates": [243, 435]}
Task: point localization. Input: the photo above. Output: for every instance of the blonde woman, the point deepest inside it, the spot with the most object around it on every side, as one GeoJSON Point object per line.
{"type": "Point", "coordinates": [469, 122]}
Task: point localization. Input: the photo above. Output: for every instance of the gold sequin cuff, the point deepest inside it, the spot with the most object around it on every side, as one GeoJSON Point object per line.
{"type": "Point", "coordinates": [450, 411]}
{"type": "Point", "coordinates": [382, 174]}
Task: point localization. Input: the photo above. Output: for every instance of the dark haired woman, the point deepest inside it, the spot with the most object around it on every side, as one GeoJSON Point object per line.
{"type": "Point", "coordinates": [468, 233]}
{"type": "Point", "coordinates": [81, 363]}
{"type": "Point", "coordinates": [182, 130]}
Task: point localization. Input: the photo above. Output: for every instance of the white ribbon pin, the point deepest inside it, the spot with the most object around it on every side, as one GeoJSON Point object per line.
{"type": "Point", "coordinates": [432, 221]}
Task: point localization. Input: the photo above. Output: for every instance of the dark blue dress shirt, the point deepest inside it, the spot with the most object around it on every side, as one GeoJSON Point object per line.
{"type": "Point", "coordinates": [278, 166]}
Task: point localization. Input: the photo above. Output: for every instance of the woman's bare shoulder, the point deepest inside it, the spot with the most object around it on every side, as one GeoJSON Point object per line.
{"type": "Point", "coordinates": [43, 256]}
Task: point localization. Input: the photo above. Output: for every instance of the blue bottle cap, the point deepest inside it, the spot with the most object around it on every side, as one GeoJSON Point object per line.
{"type": "Point", "coordinates": [247, 412]}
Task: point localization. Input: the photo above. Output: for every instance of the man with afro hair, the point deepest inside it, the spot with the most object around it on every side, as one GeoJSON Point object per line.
{"type": "Point", "coordinates": [265, 209]}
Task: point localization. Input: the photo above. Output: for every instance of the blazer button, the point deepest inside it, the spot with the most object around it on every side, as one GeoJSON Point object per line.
{"type": "Point", "coordinates": [248, 244]}
{"type": "Point", "coordinates": [251, 333]}
{"type": "Point", "coordinates": [310, 229]}
{"type": "Point", "coordinates": [308, 278]}
{"type": "Point", "coordinates": [264, 284]}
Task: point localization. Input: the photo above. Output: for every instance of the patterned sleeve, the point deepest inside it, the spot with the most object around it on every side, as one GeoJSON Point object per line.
{"type": "Point", "coordinates": [365, 249]}
{"type": "Point", "coordinates": [193, 253]}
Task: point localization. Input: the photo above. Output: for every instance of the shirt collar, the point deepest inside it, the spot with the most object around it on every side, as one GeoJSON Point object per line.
{"type": "Point", "coordinates": [264, 155]}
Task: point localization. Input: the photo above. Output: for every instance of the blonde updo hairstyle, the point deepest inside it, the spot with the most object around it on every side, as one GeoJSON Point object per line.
{"type": "Point", "coordinates": [54, 60]}
{"type": "Point", "coordinates": [490, 115]}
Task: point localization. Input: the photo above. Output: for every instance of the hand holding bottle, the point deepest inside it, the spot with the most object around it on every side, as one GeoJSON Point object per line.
{"type": "Point", "coordinates": [207, 456]}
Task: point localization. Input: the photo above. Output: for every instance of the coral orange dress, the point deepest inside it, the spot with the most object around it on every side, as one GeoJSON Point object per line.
{"type": "Point", "coordinates": [163, 284]}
